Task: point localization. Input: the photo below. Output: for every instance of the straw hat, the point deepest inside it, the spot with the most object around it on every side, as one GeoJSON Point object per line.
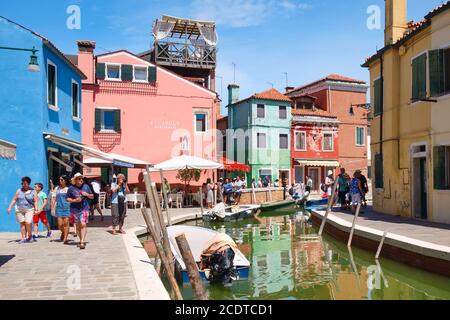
{"type": "Point", "coordinates": [76, 176]}
{"type": "Point", "coordinates": [330, 172]}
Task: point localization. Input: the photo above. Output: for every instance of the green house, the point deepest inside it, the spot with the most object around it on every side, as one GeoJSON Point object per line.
{"type": "Point", "coordinates": [259, 133]}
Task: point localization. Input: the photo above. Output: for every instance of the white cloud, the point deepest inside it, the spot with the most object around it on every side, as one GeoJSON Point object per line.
{"type": "Point", "coordinates": [241, 13]}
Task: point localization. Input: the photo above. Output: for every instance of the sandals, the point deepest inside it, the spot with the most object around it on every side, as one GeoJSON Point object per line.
{"type": "Point", "coordinates": [122, 232]}
{"type": "Point", "coordinates": [82, 246]}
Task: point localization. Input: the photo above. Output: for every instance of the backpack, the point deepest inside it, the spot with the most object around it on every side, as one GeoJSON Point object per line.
{"type": "Point", "coordinates": [323, 187]}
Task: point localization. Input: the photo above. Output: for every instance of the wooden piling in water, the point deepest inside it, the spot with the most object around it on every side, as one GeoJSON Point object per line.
{"type": "Point", "coordinates": [162, 255]}
{"type": "Point", "coordinates": [329, 206]}
{"type": "Point", "coordinates": [191, 267]}
{"type": "Point", "coordinates": [350, 238]}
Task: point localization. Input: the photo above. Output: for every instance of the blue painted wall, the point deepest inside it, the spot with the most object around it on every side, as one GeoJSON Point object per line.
{"type": "Point", "coordinates": [25, 114]}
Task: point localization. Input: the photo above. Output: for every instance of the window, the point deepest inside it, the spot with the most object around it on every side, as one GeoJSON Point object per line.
{"type": "Point", "coordinates": [284, 141]}
{"type": "Point", "coordinates": [113, 72]}
{"type": "Point", "coordinates": [441, 167]}
{"type": "Point", "coordinates": [379, 175]}
{"type": "Point", "coordinates": [200, 122]}
{"type": "Point", "coordinates": [261, 140]}
{"type": "Point", "coordinates": [377, 106]}
{"type": "Point", "coordinates": [299, 174]}
{"type": "Point", "coordinates": [327, 144]}
{"type": "Point", "coordinates": [263, 173]}
{"type": "Point", "coordinates": [419, 79]}
{"type": "Point", "coordinates": [260, 111]}
{"type": "Point", "coordinates": [282, 113]}
{"type": "Point", "coordinates": [107, 120]}
{"type": "Point", "coordinates": [140, 74]}
{"type": "Point", "coordinates": [51, 84]}
{"type": "Point", "coordinates": [300, 141]}
{"type": "Point", "coordinates": [360, 139]}
{"type": "Point", "coordinates": [75, 100]}
{"type": "Point", "coordinates": [439, 65]}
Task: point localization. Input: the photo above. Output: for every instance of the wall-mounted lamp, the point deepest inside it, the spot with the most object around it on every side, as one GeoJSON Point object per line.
{"type": "Point", "coordinates": [366, 106]}
{"type": "Point", "coordinates": [33, 65]}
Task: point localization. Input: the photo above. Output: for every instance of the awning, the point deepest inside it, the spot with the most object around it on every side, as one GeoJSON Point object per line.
{"type": "Point", "coordinates": [318, 163]}
{"type": "Point", "coordinates": [229, 165]}
{"type": "Point", "coordinates": [98, 158]}
{"type": "Point", "coordinates": [7, 150]}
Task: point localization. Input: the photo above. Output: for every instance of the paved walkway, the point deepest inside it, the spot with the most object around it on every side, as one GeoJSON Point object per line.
{"type": "Point", "coordinates": [108, 269]}
{"type": "Point", "coordinates": [421, 230]}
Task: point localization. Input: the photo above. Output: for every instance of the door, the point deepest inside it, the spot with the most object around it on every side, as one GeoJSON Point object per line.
{"type": "Point", "coordinates": [420, 195]}
{"type": "Point", "coordinates": [282, 175]}
{"type": "Point", "coordinates": [313, 173]}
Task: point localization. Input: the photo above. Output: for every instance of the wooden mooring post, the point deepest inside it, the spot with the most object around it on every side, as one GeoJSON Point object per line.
{"type": "Point", "coordinates": [191, 267]}
{"type": "Point", "coordinates": [162, 255]}
{"type": "Point", "coordinates": [380, 246]}
{"type": "Point", "coordinates": [352, 231]}
{"type": "Point", "coordinates": [329, 206]}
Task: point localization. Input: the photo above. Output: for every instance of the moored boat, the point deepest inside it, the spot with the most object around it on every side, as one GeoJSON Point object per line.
{"type": "Point", "coordinates": [198, 238]}
{"type": "Point", "coordinates": [316, 203]}
{"type": "Point", "coordinates": [222, 213]}
{"type": "Point", "coordinates": [274, 205]}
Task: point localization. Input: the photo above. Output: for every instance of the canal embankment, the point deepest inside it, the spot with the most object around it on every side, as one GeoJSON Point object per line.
{"type": "Point", "coordinates": [419, 244]}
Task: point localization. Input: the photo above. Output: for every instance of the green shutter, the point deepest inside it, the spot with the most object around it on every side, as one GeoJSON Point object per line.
{"type": "Point", "coordinates": [98, 120]}
{"type": "Point", "coordinates": [104, 176]}
{"type": "Point", "coordinates": [152, 74]}
{"type": "Point", "coordinates": [439, 167]}
{"type": "Point", "coordinates": [377, 97]}
{"type": "Point", "coordinates": [127, 72]}
{"type": "Point", "coordinates": [117, 120]}
{"type": "Point", "coordinates": [436, 64]}
{"type": "Point", "coordinates": [419, 80]}
{"type": "Point", "coordinates": [379, 178]}
{"type": "Point", "coordinates": [100, 71]}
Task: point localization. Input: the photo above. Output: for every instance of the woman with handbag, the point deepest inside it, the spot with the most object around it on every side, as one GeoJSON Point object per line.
{"type": "Point", "coordinates": [119, 191]}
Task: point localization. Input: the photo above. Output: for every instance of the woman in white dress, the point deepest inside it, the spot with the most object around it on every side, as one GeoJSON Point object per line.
{"type": "Point", "coordinates": [209, 193]}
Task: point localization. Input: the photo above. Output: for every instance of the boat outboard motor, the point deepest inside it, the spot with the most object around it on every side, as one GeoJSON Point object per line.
{"type": "Point", "coordinates": [221, 266]}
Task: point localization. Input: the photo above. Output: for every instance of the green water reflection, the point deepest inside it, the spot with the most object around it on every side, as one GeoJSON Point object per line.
{"type": "Point", "coordinates": [289, 261]}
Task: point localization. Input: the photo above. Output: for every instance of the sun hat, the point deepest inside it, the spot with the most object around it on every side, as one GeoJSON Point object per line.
{"type": "Point", "coordinates": [76, 176]}
{"type": "Point", "coordinates": [330, 172]}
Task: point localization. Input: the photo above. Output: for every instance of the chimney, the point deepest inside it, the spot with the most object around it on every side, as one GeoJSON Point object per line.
{"type": "Point", "coordinates": [287, 89]}
{"type": "Point", "coordinates": [396, 20]}
{"type": "Point", "coordinates": [233, 93]}
{"type": "Point", "coordinates": [86, 59]}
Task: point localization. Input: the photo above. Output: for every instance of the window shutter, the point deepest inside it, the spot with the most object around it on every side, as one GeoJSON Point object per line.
{"type": "Point", "coordinates": [98, 120]}
{"type": "Point", "coordinates": [377, 97]}
{"type": "Point", "coordinates": [104, 176]}
{"type": "Point", "coordinates": [439, 167]}
{"type": "Point", "coordinates": [100, 71]}
{"type": "Point", "coordinates": [379, 178]}
{"type": "Point", "coordinates": [127, 72]}
{"type": "Point", "coordinates": [436, 64]}
{"type": "Point", "coordinates": [117, 121]}
{"type": "Point", "coordinates": [151, 74]}
{"type": "Point", "coordinates": [419, 83]}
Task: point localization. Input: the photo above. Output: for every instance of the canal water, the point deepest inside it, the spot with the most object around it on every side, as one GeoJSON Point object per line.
{"type": "Point", "coordinates": [289, 261]}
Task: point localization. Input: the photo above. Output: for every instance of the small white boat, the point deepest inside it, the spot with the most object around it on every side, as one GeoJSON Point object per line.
{"type": "Point", "coordinates": [222, 213]}
{"type": "Point", "coordinates": [197, 239]}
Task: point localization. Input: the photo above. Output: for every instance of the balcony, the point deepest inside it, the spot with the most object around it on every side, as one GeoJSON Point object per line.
{"type": "Point", "coordinates": [128, 87]}
{"type": "Point", "coordinates": [106, 140]}
{"type": "Point", "coordinates": [190, 55]}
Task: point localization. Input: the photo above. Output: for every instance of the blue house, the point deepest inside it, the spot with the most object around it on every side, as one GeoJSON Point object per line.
{"type": "Point", "coordinates": [35, 105]}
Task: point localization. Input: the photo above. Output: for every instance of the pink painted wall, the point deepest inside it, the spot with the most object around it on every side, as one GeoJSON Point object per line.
{"type": "Point", "coordinates": [152, 119]}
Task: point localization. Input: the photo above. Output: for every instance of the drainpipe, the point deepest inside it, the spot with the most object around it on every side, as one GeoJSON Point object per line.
{"type": "Point", "coordinates": [381, 105]}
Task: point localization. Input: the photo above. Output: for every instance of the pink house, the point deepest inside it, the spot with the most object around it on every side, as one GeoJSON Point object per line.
{"type": "Point", "coordinates": [134, 108]}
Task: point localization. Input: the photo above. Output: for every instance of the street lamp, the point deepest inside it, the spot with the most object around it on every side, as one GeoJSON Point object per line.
{"type": "Point", "coordinates": [33, 65]}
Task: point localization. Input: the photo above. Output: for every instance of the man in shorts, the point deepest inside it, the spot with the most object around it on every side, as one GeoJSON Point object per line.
{"type": "Point", "coordinates": [78, 196]}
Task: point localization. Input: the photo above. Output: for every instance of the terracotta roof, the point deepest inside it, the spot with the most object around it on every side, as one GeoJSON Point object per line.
{"type": "Point", "coordinates": [312, 113]}
{"type": "Point", "coordinates": [50, 45]}
{"type": "Point", "coordinates": [272, 94]}
{"type": "Point", "coordinates": [331, 77]}
{"type": "Point", "coordinates": [412, 29]}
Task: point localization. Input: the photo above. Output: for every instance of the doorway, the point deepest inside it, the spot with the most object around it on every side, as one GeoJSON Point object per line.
{"type": "Point", "coordinates": [282, 175]}
{"type": "Point", "coordinates": [419, 188]}
{"type": "Point", "coordinates": [314, 174]}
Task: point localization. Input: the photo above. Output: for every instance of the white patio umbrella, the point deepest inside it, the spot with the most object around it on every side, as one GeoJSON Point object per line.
{"type": "Point", "coordinates": [187, 162]}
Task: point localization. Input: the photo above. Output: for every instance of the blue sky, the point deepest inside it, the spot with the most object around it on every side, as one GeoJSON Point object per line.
{"type": "Point", "coordinates": [306, 38]}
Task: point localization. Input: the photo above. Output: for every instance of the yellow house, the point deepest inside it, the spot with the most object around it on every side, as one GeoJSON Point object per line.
{"type": "Point", "coordinates": [410, 130]}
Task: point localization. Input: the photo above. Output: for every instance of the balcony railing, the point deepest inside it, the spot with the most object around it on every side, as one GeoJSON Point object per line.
{"type": "Point", "coordinates": [185, 54]}
{"type": "Point", "coordinates": [106, 140]}
{"type": "Point", "coordinates": [128, 87]}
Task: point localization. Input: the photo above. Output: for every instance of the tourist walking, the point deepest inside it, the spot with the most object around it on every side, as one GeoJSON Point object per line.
{"type": "Point", "coordinates": [24, 201]}
{"type": "Point", "coordinates": [61, 207]}
{"type": "Point", "coordinates": [119, 191]}
{"type": "Point", "coordinates": [209, 193]}
{"type": "Point", "coordinates": [40, 212]}
{"type": "Point", "coordinates": [166, 190]}
{"type": "Point", "coordinates": [78, 196]}
{"type": "Point", "coordinates": [309, 184]}
{"type": "Point", "coordinates": [329, 182]}
{"type": "Point", "coordinates": [220, 190]}
{"type": "Point", "coordinates": [227, 190]}
{"type": "Point", "coordinates": [95, 205]}
{"type": "Point", "coordinates": [364, 188]}
{"type": "Point", "coordinates": [344, 188]}
{"type": "Point", "coordinates": [355, 191]}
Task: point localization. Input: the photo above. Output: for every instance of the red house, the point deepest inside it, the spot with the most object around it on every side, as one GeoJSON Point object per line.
{"type": "Point", "coordinates": [343, 98]}
{"type": "Point", "coordinates": [315, 141]}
